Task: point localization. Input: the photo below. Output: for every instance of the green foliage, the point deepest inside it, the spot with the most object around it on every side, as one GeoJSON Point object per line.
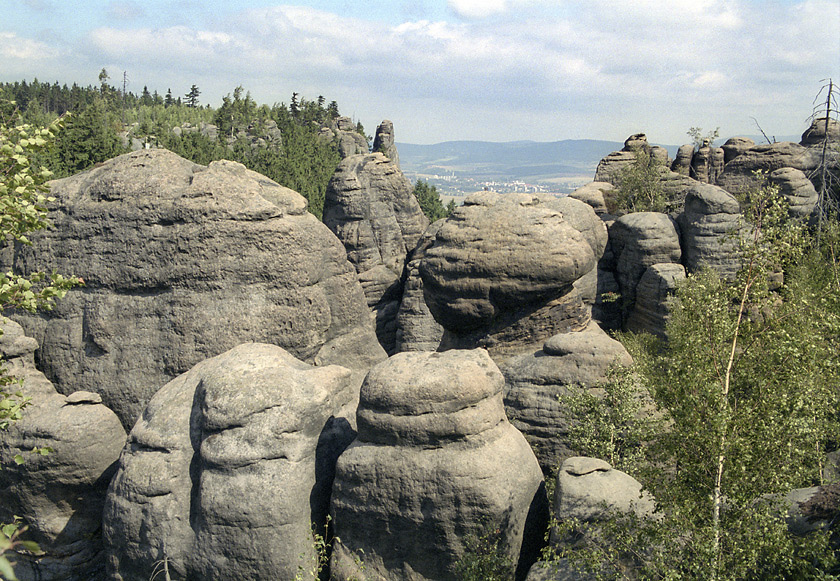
{"type": "Point", "coordinates": [430, 203]}
{"type": "Point", "coordinates": [640, 188]}
{"type": "Point", "coordinates": [484, 559]}
{"type": "Point", "coordinates": [698, 138]}
{"type": "Point", "coordinates": [90, 137]}
{"type": "Point", "coordinates": [613, 422]}
{"type": "Point", "coordinates": [747, 384]}
{"type": "Point", "coordinates": [318, 568]}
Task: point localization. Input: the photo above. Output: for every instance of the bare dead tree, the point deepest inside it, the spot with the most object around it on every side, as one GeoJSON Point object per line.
{"type": "Point", "coordinates": [827, 172]}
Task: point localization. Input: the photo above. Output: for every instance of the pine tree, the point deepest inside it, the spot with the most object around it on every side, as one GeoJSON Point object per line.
{"type": "Point", "coordinates": [192, 97]}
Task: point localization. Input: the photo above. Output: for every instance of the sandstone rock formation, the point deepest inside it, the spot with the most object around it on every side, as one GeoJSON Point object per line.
{"type": "Point", "coordinates": [183, 262]}
{"type": "Point", "coordinates": [593, 194]}
{"type": "Point", "coordinates": [707, 225]}
{"type": "Point", "coordinates": [59, 495]}
{"type": "Point", "coordinates": [798, 189]}
{"type": "Point", "coordinates": [435, 461]}
{"type": "Point", "coordinates": [371, 208]}
{"type": "Point", "coordinates": [707, 163]}
{"type": "Point", "coordinates": [227, 468]}
{"type": "Point", "coordinates": [654, 294]}
{"type": "Point", "coordinates": [417, 329]}
{"type": "Point", "coordinates": [735, 146]}
{"type": "Point", "coordinates": [738, 175]}
{"type": "Point", "coordinates": [821, 128]}
{"type": "Point", "coordinates": [350, 141]}
{"type": "Point", "coordinates": [501, 271]}
{"type": "Point", "coordinates": [638, 241]}
{"type": "Point", "coordinates": [534, 381]}
{"type": "Point", "coordinates": [610, 168]}
{"type": "Point", "coordinates": [682, 162]}
{"type": "Point", "coordinates": [385, 142]}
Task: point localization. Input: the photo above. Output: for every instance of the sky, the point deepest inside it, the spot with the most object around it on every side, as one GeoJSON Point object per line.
{"type": "Point", "coordinates": [442, 70]}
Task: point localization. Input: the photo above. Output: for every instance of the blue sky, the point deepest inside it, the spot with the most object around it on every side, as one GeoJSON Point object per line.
{"type": "Point", "coordinates": [497, 70]}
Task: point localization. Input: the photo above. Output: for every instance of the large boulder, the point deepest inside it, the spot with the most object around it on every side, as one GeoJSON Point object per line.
{"type": "Point", "coordinates": [228, 468]}
{"type": "Point", "coordinates": [820, 129]}
{"type": "Point", "coordinates": [371, 208]}
{"type": "Point", "coordinates": [799, 191]}
{"type": "Point", "coordinates": [611, 168]}
{"type": "Point", "coordinates": [593, 194]}
{"type": "Point", "coordinates": [638, 241]}
{"type": "Point", "coordinates": [182, 262]}
{"type": "Point", "coordinates": [350, 141]}
{"type": "Point", "coordinates": [535, 381]}
{"type": "Point", "coordinates": [417, 329]}
{"type": "Point", "coordinates": [735, 146]}
{"type": "Point", "coordinates": [709, 226]}
{"type": "Point", "coordinates": [502, 268]}
{"type": "Point", "coordinates": [654, 296]}
{"type": "Point", "coordinates": [435, 462]}
{"type": "Point", "coordinates": [58, 495]}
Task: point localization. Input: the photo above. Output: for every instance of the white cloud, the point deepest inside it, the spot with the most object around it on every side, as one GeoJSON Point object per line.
{"type": "Point", "coordinates": [13, 46]}
{"type": "Point", "coordinates": [477, 8]}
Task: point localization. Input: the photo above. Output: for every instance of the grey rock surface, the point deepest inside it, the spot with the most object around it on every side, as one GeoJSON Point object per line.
{"type": "Point", "coordinates": [417, 329]}
{"type": "Point", "coordinates": [499, 260]}
{"type": "Point", "coordinates": [707, 163]}
{"type": "Point", "coordinates": [638, 241]}
{"type": "Point", "coordinates": [227, 468]}
{"type": "Point", "coordinates": [588, 489]}
{"type": "Point", "coordinates": [593, 194]}
{"type": "Point", "coordinates": [350, 141]}
{"type": "Point", "coordinates": [534, 381]}
{"type": "Point", "coordinates": [385, 142]}
{"type": "Point", "coordinates": [435, 461]}
{"type": "Point", "coordinates": [654, 295]}
{"type": "Point", "coordinates": [682, 162]}
{"type": "Point", "coordinates": [735, 146]}
{"type": "Point", "coordinates": [59, 495]}
{"type": "Point", "coordinates": [611, 167]}
{"type": "Point", "coordinates": [738, 174]}
{"type": "Point", "coordinates": [819, 129]}
{"type": "Point", "coordinates": [800, 193]}
{"type": "Point", "coordinates": [710, 220]}
{"type": "Point", "coordinates": [182, 262]}
{"type": "Point", "coordinates": [371, 208]}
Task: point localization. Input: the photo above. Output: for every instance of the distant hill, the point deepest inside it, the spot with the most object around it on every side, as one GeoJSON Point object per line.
{"type": "Point", "coordinates": [513, 160]}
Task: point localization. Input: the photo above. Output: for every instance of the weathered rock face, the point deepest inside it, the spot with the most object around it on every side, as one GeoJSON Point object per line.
{"type": "Point", "coordinates": [638, 241]}
{"type": "Point", "coordinates": [588, 488]}
{"type": "Point", "coordinates": [502, 268]}
{"type": "Point", "coordinates": [350, 141]}
{"type": "Point", "coordinates": [738, 174]}
{"type": "Point", "coordinates": [798, 189]}
{"type": "Point", "coordinates": [682, 163]}
{"type": "Point", "coordinates": [593, 194]}
{"type": "Point", "coordinates": [227, 468]}
{"type": "Point", "coordinates": [417, 329]}
{"type": "Point", "coordinates": [819, 129]}
{"type": "Point", "coordinates": [435, 461]}
{"type": "Point", "coordinates": [534, 381]}
{"type": "Point", "coordinates": [385, 142]}
{"type": "Point", "coordinates": [59, 495]}
{"type": "Point", "coordinates": [371, 208]}
{"type": "Point", "coordinates": [610, 168]}
{"type": "Point", "coordinates": [710, 218]}
{"type": "Point", "coordinates": [707, 163]}
{"type": "Point", "coordinates": [735, 146]}
{"type": "Point", "coordinates": [182, 262]}
{"type": "Point", "coordinates": [654, 295]}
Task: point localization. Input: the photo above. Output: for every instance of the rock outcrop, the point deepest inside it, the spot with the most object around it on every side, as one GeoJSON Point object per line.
{"type": "Point", "coordinates": [735, 146]}
{"type": "Point", "coordinates": [738, 176]}
{"type": "Point", "coordinates": [638, 241]}
{"type": "Point", "coordinates": [384, 141]}
{"type": "Point", "coordinates": [534, 382]}
{"type": "Point", "coordinates": [350, 141]}
{"type": "Point", "coordinates": [611, 167]}
{"type": "Point", "coordinates": [707, 163]}
{"type": "Point", "coordinates": [59, 495]}
{"type": "Point", "coordinates": [371, 208]}
{"type": "Point", "coordinates": [500, 274]}
{"type": "Point", "coordinates": [711, 217]}
{"type": "Point", "coordinates": [799, 191]}
{"type": "Point", "coordinates": [228, 467]}
{"type": "Point", "coordinates": [593, 194]}
{"type": "Point", "coordinates": [435, 461]}
{"type": "Point", "coordinates": [182, 262]}
{"type": "Point", "coordinates": [654, 294]}
{"type": "Point", "coordinates": [417, 329]}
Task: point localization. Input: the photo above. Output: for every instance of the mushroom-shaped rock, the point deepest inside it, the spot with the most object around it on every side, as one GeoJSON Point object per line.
{"type": "Point", "coordinates": [59, 495]}
{"type": "Point", "coordinates": [499, 259]}
{"type": "Point", "coordinates": [710, 220]}
{"type": "Point", "coordinates": [435, 461]}
{"type": "Point", "coordinates": [534, 381]}
{"type": "Point", "coordinates": [182, 262]}
{"type": "Point", "coordinates": [798, 189]}
{"type": "Point", "coordinates": [371, 208]}
{"type": "Point", "coordinates": [228, 467]}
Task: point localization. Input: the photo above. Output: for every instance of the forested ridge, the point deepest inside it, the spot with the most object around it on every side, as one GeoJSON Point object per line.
{"type": "Point", "coordinates": [294, 144]}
